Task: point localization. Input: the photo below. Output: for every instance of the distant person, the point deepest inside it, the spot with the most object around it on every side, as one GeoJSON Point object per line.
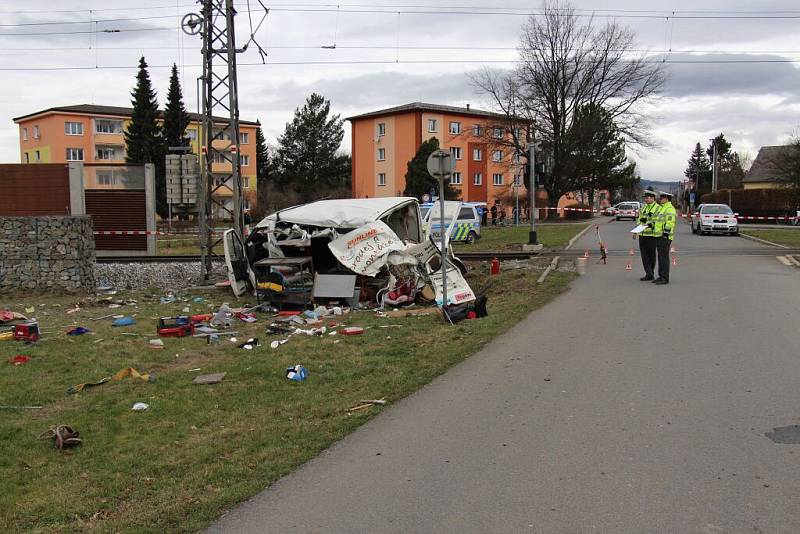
{"type": "Point", "coordinates": [665, 231]}
{"type": "Point", "coordinates": [484, 214]}
{"type": "Point", "coordinates": [648, 241]}
{"type": "Point", "coordinates": [494, 213]}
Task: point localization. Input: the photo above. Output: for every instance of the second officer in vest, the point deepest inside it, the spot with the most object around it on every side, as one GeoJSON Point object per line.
{"type": "Point", "coordinates": [666, 219]}
{"type": "Point", "coordinates": [648, 241]}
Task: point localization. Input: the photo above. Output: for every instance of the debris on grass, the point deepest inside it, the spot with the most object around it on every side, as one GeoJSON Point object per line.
{"type": "Point", "coordinates": [63, 436]}
{"type": "Point", "coordinates": [297, 373]}
{"type": "Point", "coordinates": [122, 373]}
{"type": "Point", "coordinates": [214, 378]}
{"type": "Point", "coordinates": [140, 407]}
{"type": "Point", "coordinates": [77, 331]}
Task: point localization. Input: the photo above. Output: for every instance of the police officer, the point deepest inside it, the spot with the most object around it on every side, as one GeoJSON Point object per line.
{"type": "Point", "coordinates": [666, 219]}
{"type": "Point", "coordinates": [648, 241]}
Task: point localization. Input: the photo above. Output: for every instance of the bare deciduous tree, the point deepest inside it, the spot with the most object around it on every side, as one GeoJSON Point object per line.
{"type": "Point", "coordinates": [567, 62]}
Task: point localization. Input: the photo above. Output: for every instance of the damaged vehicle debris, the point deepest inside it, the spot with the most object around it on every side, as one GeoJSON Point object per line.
{"type": "Point", "coordinates": [368, 252]}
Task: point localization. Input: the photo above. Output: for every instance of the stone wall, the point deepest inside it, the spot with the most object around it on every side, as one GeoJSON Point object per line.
{"type": "Point", "coordinates": [46, 254]}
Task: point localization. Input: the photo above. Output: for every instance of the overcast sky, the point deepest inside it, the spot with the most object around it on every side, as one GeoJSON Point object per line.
{"type": "Point", "coordinates": [414, 57]}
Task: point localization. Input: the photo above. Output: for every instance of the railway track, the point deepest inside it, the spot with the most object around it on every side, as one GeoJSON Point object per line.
{"type": "Point", "coordinates": [500, 255]}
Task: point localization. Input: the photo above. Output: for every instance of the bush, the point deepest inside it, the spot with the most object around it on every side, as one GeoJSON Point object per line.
{"type": "Point", "coordinates": [570, 214]}
{"type": "Point", "coordinates": [755, 202]}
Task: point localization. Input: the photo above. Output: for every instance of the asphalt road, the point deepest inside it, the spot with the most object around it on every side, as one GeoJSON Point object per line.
{"type": "Point", "coordinates": [620, 407]}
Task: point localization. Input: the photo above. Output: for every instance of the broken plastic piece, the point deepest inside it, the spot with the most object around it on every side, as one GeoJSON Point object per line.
{"type": "Point", "coordinates": [297, 373]}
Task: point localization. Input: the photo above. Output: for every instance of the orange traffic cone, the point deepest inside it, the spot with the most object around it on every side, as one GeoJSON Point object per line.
{"type": "Point", "coordinates": [586, 253]}
{"type": "Point", "coordinates": [631, 253]}
{"type": "Point", "coordinates": [628, 266]}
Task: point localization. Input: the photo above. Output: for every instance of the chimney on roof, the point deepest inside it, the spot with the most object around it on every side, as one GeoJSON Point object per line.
{"type": "Point", "coordinates": [467, 106]}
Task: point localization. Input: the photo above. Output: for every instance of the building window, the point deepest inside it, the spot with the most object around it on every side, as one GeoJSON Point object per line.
{"type": "Point", "coordinates": [381, 154]}
{"type": "Point", "coordinates": [191, 134]}
{"type": "Point", "coordinates": [105, 178]}
{"type": "Point", "coordinates": [456, 180]}
{"type": "Point", "coordinates": [497, 133]}
{"type": "Point", "coordinates": [477, 131]}
{"type": "Point", "coordinates": [24, 134]}
{"type": "Point", "coordinates": [245, 182]}
{"type": "Point", "coordinates": [27, 157]}
{"type": "Point", "coordinates": [38, 157]}
{"type": "Point", "coordinates": [381, 129]}
{"type": "Point", "coordinates": [516, 132]}
{"type": "Point", "coordinates": [497, 179]}
{"type": "Point", "coordinates": [246, 204]}
{"type": "Point", "coordinates": [455, 127]}
{"type": "Point", "coordinates": [477, 178]}
{"type": "Point", "coordinates": [497, 155]}
{"type": "Point", "coordinates": [244, 138]}
{"type": "Point", "coordinates": [219, 158]}
{"type": "Point", "coordinates": [455, 152]}
{"type": "Point", "coordinates": [74, 154]}
{"type": "Point", "coordinates": [477, 154]}
{"type": "Point", "coordinates": [517, 180]}
{"type": "Point", "coordinates": [107, 126]}
{"type": "Point", "coordinates": [73, 128]}
{"type": "Point", "coordinates": [107, 153]}
{"type": "Point", "coordinates": [517, 157]}
{"type": "Point", "coordinates": [381, 179]}
{"type": "Point", "coordinates": [244, 161]}
{"type": "Point", "coordinates": [36, 132]}
{"type": "Point", "coordinates": [431, 125]}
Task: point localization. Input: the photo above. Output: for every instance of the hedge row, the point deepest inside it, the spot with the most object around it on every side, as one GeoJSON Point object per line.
{"type": "Point", "coordinates": [755, 202]}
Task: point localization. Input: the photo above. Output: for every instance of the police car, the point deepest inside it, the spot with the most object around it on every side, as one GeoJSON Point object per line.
{"type": "Point", "coordinates": [462, 220]}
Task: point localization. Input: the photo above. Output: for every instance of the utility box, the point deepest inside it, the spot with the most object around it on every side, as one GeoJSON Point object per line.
{"type": "Point", "coordinates": [183, 182]}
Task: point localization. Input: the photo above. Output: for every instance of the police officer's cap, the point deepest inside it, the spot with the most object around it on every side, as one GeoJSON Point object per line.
{"type": "Point", "coordinates": [664, 194]}
{"type": "Point", "coordinates": [649, 193]}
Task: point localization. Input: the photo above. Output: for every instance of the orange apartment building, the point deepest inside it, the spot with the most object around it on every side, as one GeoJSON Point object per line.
{"type": "Point", "coordinates": [384, 141]}
{"type": "Point", "coordinates": [94, 134]}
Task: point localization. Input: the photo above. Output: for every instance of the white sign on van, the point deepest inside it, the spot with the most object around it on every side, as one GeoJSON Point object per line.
{"type": "Point", "coordinates": [365, 249]}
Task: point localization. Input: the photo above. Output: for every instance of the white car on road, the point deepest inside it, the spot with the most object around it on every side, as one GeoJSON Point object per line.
{"type": "Point", "coordinates": [715, 219]}
{"type": "Point", "coordinates": [627, 210]}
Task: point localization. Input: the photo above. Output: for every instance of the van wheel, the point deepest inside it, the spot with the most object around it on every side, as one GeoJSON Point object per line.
{"type": "Point", "coordinates": [617, 219]}
{"type": "Point", "coordinates": [471, 238]}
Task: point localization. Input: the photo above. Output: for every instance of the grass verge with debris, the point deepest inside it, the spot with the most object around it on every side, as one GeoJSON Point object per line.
{"type": "Point", "coordinates": [511, 237]}
{"type": "Point", "coordinates": [200, 450]}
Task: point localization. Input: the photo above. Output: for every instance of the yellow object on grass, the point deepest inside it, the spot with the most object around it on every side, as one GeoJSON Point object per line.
{"type": "Point", "coordinates": [119, 375]}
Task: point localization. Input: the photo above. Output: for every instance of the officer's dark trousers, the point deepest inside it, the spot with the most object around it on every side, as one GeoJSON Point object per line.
{"type": "Point", "coordinates": [664, 244]}
{"type": "Point", "coordinates": [647, 248]}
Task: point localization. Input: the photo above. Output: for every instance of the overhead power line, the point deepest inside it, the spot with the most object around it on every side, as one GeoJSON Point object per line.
{"type": "Point", "coordinates": [384, 62]}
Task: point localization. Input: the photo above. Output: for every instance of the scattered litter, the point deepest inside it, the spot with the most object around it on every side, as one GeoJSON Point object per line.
{"type": "Point", "coordinates": [390, 326]}
{"type": "Point", "coordinates": [167, 299]}
{"type": "Point", "coordinates": [197, 300]}
{"type": "Point", "coordinates": [234, 340]}
{"type": "Point", "coordinates": [407, 313]}
{"type": "Point", "coordinates": [351, 331]}
{"type": "Point", "coordinates": [214, 378]}
{"type": "Point", "coordinates": [114, 305]}
{"type": "Point", "coordinates": [28, 332]}
{"type": "Point", "coordinates": [250, 344]}
{"type": "Point", "coordinates": [102, 317]}
{"type": "Point", "coordinates": [277, 343]}
{"type": "Point", "coordinates": [185, 309]}
{"type": "Point", "coordinates": [180, 326]}
{"type": "Point", "coordinates": [30, 309]}
{"type": "Point", "coordinates": [7, 336]}
{"type": "Point", "coordinates": [222, 317]}
{"type": "Point", "coordinates": [98, 340]}
{"type": "Point", "coordinates": [8, 316]}
{"type": "Point", "coordinates": [246, 317]}
{"type": "Point", "coordinates": [3, 407]}
{"type": "Point", "coordinates": [19, 359]}
{"type": "Point", "coordinates": [140, 407]}
{"type": "Point", "coordinates": [77, 331]}
{"type": "Point", "coordinates": [156, 343]}
{"type": "Point", "coordinates": [122, 373]}
{"type": "Point", "coordinates": [196, 369]}
{"type": "Point", "coordinates": [367, 404]}
{"type": "Point", "coordinates": [124, 321]}
{"type": "Point", "coordinates": [297, 373]}
{"type": "Point", "coordinates": [63, 437]}
{"type": "Point", "coordinates": [76, 309]}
